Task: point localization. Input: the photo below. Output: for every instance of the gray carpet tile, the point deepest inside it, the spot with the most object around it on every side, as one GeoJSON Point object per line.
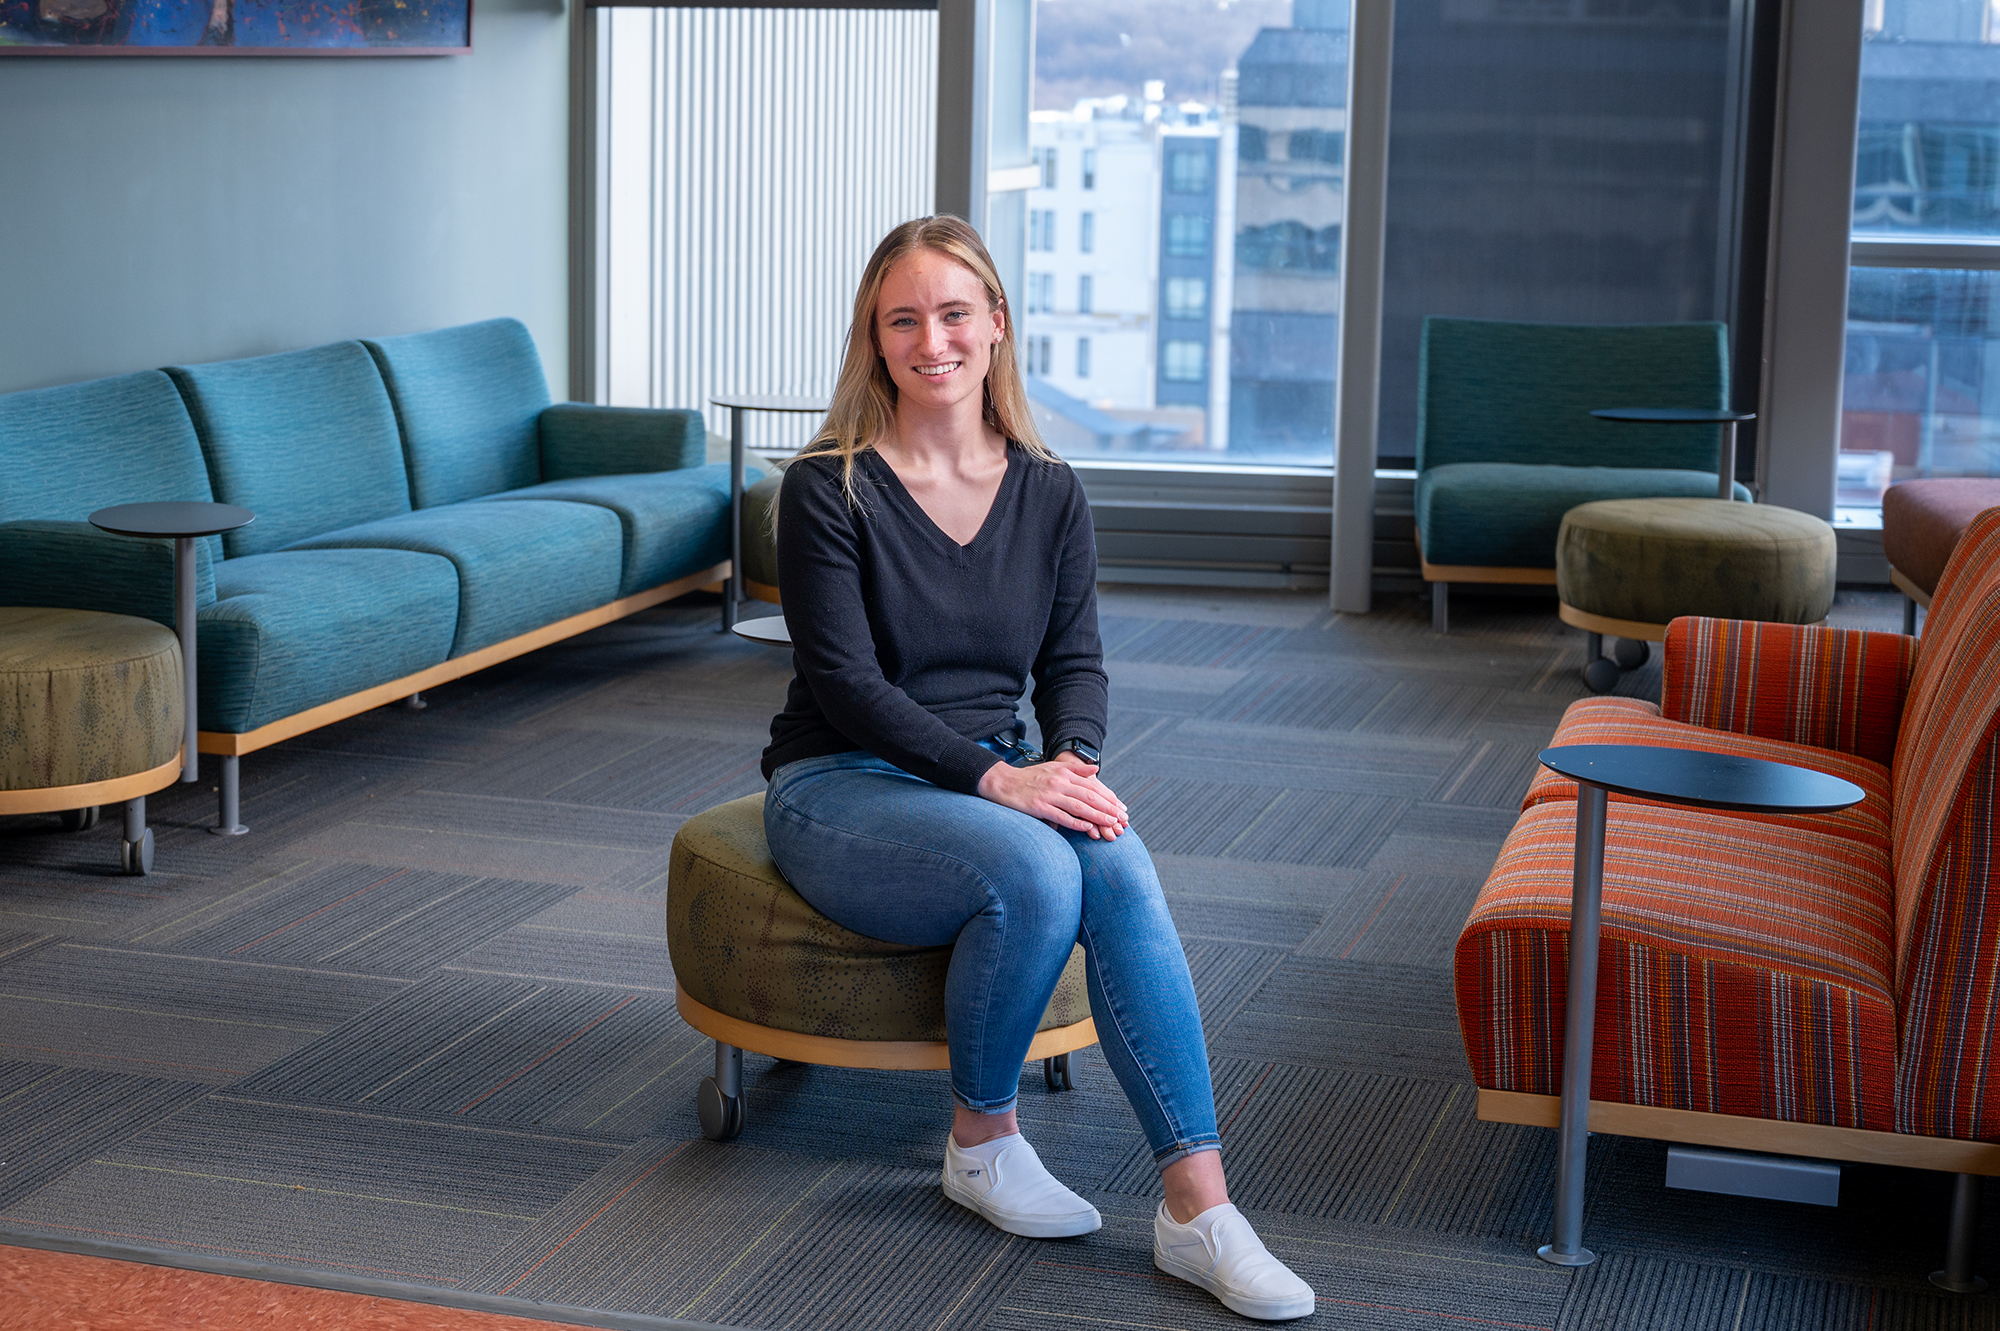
{"type": "Point", "coordinates": [598, 937]}
{"type": "Point", "coordinates": [1366, 1016]}
{"type": "Point", "coordinates": [1492, 771]}
{"type": "Point", "coordinates": [1181, 642]}
{"type": "Point", "coordinates": [53, 1119]}
{"type": "Point", "coordinates": [187, 1018]}
{"type": "Point", "coordinates": [510, 838]}
{"type": "Point", "coordinates": [620, 770]}
{"type": "Point", "coordinates": [1451, 838]}
{"type": "Point", "coordinates": [1405, 918]}
{"type": "Point", "coordinates": [1400, 767]}
{"type": "Point", "coordinates": [370, 918]}
{"type": "Point", "coordinates": [1657, 1294]}
{"type": "Point", "coordinates": [1187, 816]}
{"type": "Point", "coordinates": [1373, 702]}
{"type": "Point", "coordinates": [483, 1049]}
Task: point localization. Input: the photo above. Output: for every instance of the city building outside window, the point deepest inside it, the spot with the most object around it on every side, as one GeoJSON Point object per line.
{"type": "Point", "coordinates": [1187, 236]}
{"type": "Point", "coordinates": [1045, 158]}
{"type": "Point", "coordinates": [1183, 362]}
{"type": "Point", "coordinates": [1187, 298]}
{"type": "Point", "coordinates": [1083, 294]}
{"type": "Point", "coordinates": [1921, 395]}
{"type": "Point", "coordinates": [1090, 168]}
{"type": "Point", "coordinates": [1187, 172]}
{"type": "Point", "coordinates": [1083, 358]}
{"type": "Point", "coordinates": [1086, 233]}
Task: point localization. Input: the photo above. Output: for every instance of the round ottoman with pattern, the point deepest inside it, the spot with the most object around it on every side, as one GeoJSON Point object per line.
{"type": "Point", "coordinates": [90, 714]}
{"type": "Point", "coordinates": [760, 542]}
{"type": "Point", "coordinates": [1626, 567]}
{"type": "Point", "coordinates": [757, 968]}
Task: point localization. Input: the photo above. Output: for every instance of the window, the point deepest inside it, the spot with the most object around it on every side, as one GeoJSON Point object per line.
{"type": "Point", "coordinates": [1042, 229]}
{"type": "Point", "coordinates": [1041, 293]}
{"type": "Point", "coordinates": [1187, 298]}
{"type": "Point", "coordinates": [1183, 362]}
{"type": "Point", "coordinates": [1290, 245]}
{"type": "Point", "coordinates": [1045, 158]}
{"type": "Point", "coordinates": [1090, 168]}
{"type": "Point", "coordinates": [1314, 145]}
{"type": "Point", "coordinates": [1045, 341]}
{"type": "Point", "coordinates": [1187, 236]}
{"type": "Point", "coordinates": [1086, 233]}
{"type": "Point", "coordinates": [1083, 358]}
{"type": "Point", "coordinates": [1083, 294]}
{"type": "Point", "coordinates": [1252, 145]}
{"type": "Point", "coordinates": [1187, 171]}
{"type": "Point", "coordinates": [1035, 355]}
{"type": "Point", "coordinates": [1921, 391]}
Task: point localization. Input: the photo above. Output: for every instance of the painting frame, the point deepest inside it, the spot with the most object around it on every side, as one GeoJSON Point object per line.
{"type": "Point", "coordinates": [204, 47]}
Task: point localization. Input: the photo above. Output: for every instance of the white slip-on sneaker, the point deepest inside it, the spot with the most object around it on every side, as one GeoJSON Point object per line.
{"type": "Point", "coordinates": [1220, 1252]}
{"type": "Point", "coordinates": [1004, 1181]}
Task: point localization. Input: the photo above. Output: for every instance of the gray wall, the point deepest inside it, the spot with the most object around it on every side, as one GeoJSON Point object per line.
{"type": "Point", "coordinates": [170, 209]}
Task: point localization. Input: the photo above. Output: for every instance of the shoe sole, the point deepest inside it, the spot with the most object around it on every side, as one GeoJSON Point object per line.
{"type": "Point", "coordinates": [1029, 1227]}
{"type": "Point", "coordinates": [1263, 1310]}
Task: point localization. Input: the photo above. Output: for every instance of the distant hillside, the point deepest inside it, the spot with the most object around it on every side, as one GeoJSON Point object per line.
{"type": "Point", "coordinates": [1096, 48]}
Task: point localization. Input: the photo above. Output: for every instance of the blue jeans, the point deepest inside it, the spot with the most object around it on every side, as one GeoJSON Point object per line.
{"type": "Point", "coordinates": [894, 857]}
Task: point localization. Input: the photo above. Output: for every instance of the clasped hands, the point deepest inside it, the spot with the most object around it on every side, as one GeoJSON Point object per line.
{"type": "Point", "coordinates": [1064, 790]}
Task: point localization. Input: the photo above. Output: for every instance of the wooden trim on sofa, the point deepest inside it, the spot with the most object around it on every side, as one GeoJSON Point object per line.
{"type": "Point", "coordinates": [58, 799]}
{"type": "Point", "coordinates": [826, 1051]}
{"type": "Point", "coordinates": [1543, 577]}
{"type": "Point", "coordinates": [212, 741]}
{"type": "Point", "coordinates": [1736, 1132]}
{"type": "Point", "coordinates": [1908, 588]}
{"type": "Point", "coordinates": [762, 591]}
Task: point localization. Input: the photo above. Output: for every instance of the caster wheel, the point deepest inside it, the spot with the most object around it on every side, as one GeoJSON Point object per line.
{"type": "Point", "coordinates": [1601, 675]}
{"type": "Point", "coordinates": [78, 820]}
{"type": "Point", "coordinates": [1055, 1071]}
{"type": "Point", "coordinates": [1631, 653]}
{"type": "Point", "coordinates": [136, 857]}
{"type": "Point", "coordinates": [721, 1115]}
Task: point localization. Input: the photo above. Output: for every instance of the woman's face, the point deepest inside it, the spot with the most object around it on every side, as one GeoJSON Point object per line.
{"type": "Point", "coordinates": [935, 330]}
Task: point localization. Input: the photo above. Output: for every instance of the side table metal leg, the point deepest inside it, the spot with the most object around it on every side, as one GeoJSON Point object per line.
{"type": "Point", "coordinates": [1725, 472]}
{"type": "Point", "coordinates": [1960, 1274]}
{"type": "Point", "coordinates": [733, 592]}
{"type": "Point", "coordinates": [226, 822]}
{"type": "Point", "coordinates": [1586, 898]}
{"type": "Point", "coordinates": [184, 624]}
{"type": "Point", "coordinates": [1909, 614]}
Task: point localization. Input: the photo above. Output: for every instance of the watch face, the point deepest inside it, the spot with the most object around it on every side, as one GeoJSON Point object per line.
{"type": "Point", "coordinates": [1083, 751]}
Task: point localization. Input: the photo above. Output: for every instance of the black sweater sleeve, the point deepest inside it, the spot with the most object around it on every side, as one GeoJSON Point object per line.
{"type": "Point", "coordinates": [819, 566]}
{"type": "Point", "coordinates": [1072, 693]}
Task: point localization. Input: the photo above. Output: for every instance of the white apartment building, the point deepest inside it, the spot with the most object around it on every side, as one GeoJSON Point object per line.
{"type": "Point", "coordinates": [1087, 311]}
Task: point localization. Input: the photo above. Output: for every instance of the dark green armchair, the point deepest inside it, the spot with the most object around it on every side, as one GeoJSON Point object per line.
{"type": "Point", "coordinates": [1506, 444]}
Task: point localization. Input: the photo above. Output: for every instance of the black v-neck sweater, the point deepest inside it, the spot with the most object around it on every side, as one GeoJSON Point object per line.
{"type": "Point", "coordinates": [913, 647]}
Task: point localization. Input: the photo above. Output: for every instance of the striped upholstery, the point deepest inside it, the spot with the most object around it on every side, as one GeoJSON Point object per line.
{"type": "Point", "coordinates": [1766, 966]}
{"type": "Point", "coordinates": [1947, 913]}
{"type": "Point", "coordinates": [1630, 721]}
{"type": "Point", "coordinates": [1838, 689]}
{"type": "Point", "coordinates": [1744, 969]}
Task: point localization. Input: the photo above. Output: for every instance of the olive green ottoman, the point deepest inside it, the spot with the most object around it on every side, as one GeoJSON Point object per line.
{"type": "Point", "coordinates": [757, 968]}
{"type": "Point", "coordinates": [90, 714]}
{"type": "Point", "coordinates": [760, 542]}
{"type": "Point", "coordinates": [1625, 567]}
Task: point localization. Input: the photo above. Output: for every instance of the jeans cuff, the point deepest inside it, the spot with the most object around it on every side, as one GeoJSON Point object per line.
{"type": "Point", "coordinates": [985, 1106]}
{"type": "Point", "coordinates": [1182, 1150]}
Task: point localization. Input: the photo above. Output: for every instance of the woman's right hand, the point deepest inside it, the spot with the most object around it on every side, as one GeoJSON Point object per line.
{"type": "Point", "coordinates": [1066, 793]}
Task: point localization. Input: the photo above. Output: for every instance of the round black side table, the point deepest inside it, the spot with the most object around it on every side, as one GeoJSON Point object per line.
{"type": "Point", "coordinates": [1725, 472]}
{"type": "Point", "coordinates": [1688, 777]}
{"type": "Point", "coordinates": [185, 523]}
{"type": "Point", "coordinates": [738, 403]}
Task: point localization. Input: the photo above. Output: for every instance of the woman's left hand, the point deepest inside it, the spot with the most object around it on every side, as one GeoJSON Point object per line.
{"type": "Point", "coordinates": [1084, 768]}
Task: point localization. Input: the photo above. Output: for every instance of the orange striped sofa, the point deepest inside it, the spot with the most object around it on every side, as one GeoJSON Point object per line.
{"type": "Point", "coordinates": [1823, 985]}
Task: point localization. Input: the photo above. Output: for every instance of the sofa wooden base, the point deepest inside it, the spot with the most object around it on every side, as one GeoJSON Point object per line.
{"type": "Point", "coordinates": [233, 745]}
{"type": "Point", "coordinates": [1541, 577]}
{"type": "Point", "coordinates": [1732, 1131]}
{"type": "Point", "coordinates": [1630, 629]}
{"type": "Point", "coordinates": [61, 799]}
{"type": "Point", "coordinates": [761, 591]}
{"type": "Point", "coordinates": [1909, 588]}
{"type": "Point", "coordinates": [827, 1051]}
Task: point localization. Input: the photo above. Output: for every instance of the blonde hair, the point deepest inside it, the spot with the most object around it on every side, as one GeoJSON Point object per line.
{"type": "Point", "coordinates": [864, 399]}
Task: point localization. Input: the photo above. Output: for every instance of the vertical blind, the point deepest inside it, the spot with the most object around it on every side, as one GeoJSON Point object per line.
{"type": "Point", "coordinates": [754, 158]}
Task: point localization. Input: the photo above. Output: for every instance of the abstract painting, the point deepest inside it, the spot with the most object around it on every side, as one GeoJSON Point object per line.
{"type": "Point", "coordinates": [235, 27]}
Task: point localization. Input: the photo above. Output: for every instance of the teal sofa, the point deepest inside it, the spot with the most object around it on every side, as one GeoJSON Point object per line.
{"type": "Point", "coordinates": [423, 511]}
{"type": "Point", "coordinates": [1506, 444]}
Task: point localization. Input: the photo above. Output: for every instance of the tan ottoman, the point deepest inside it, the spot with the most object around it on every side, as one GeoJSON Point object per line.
{"type": "Point", "coordinates": [90, 714]}
{"type": "Point", "coordinates": [757, 968]}
{"type": "Point", "coordinates": [1626, 567]}
{"type": "Point", "coordinates": [1921, 523]}
{"type": "Point", "coordinates": [760, 543]}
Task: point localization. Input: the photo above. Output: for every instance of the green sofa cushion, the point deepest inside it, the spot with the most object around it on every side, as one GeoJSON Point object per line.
{"type": "Point", "coordinates": [745, 944]}
{"type": "Point", "coordinates": [85, 697]}
{"type": "Point", "coordinates": [1502, 515]}
{"type": "Point", "coordinates": [520, 565]}
{"type": "Point", "coordinates": [675, 522]}
{"type": "Point", "coordinates": [76, 565]}
{"type": "Point", "coordinates": [469, 399]}
{"type": "Point", "coordinates": [580, 439]}
{"type": "Point", "coordinates": [306, 440]}
{"type": "Point", "coordinates": [1652, 560]}
{"type": "Point", "coordinates": [294, 629]}
{"type": "Point", "coordinates": [67, 452]}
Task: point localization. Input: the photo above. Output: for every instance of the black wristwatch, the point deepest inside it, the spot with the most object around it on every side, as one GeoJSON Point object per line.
{"type": "Point", "coordinates": [1084, 751]}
